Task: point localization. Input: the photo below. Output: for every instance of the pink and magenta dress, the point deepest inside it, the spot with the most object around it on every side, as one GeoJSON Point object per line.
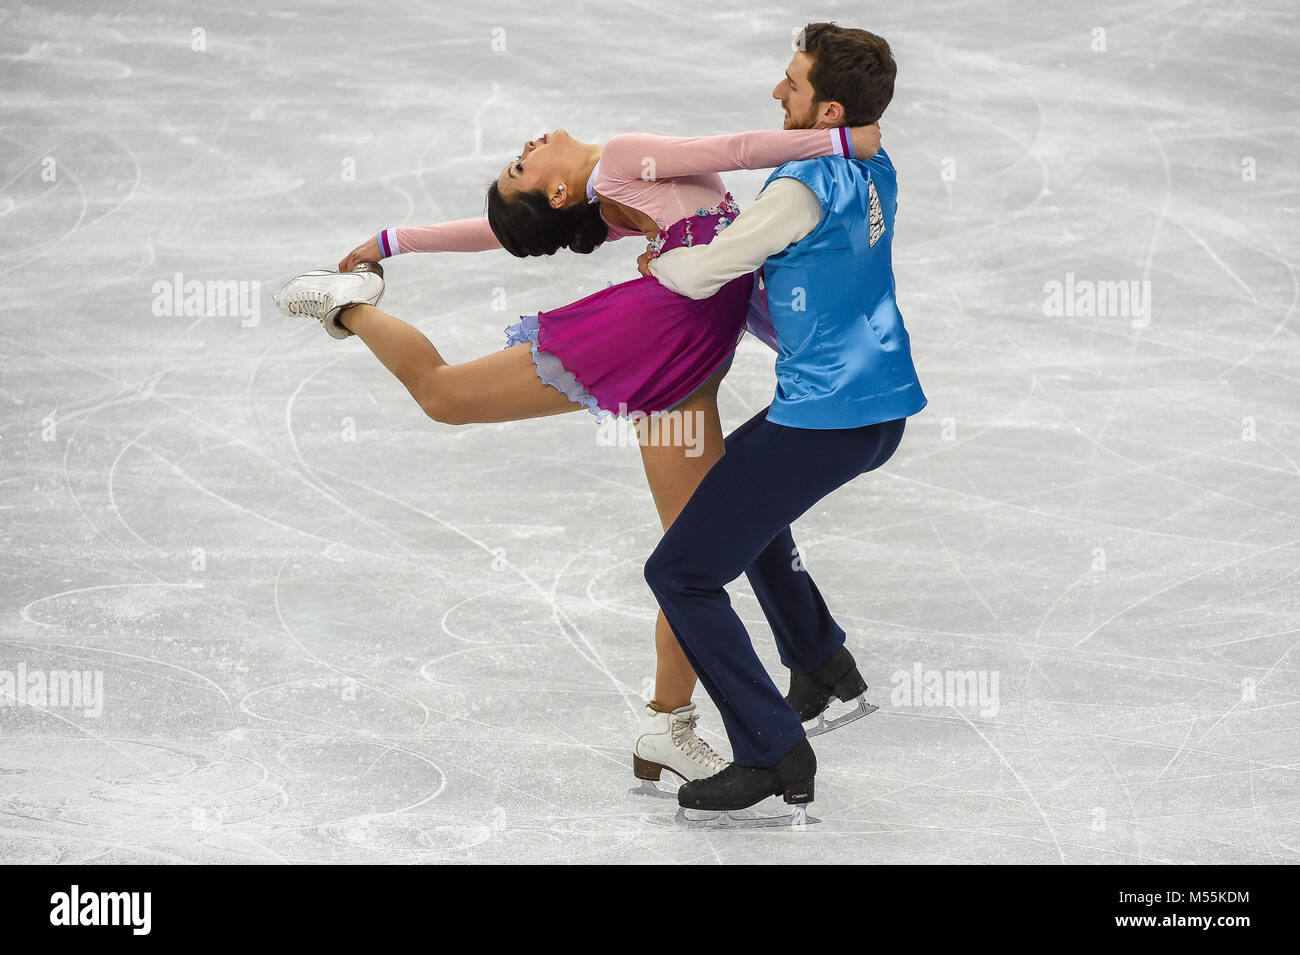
{"type": "Point", "coordinates": [636, 346]}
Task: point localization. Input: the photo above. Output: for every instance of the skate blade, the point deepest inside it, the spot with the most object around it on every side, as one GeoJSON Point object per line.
{"type": "Point", "coordinates": [648, 788]}
{"type": "Point", "coordinates": [797, 818]}
{"type": "Point", "coordinates": [824, 725]}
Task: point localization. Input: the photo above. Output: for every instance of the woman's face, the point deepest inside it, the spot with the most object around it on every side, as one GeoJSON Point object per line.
{"type": "Point", "coordinates": [545, 164]}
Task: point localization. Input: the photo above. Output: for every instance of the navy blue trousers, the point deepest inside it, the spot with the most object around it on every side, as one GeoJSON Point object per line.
{"type": "Point", "coordinates": [738, 521]}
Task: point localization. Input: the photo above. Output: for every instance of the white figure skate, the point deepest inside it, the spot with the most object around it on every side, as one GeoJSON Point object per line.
{"type": "Point", "coordinates": [322, 295]}
{"type": "Point", "coordinates": [668, 741]}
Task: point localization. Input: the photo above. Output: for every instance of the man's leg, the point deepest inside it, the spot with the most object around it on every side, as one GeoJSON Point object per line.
{"type": "Point", "coordinates": [767, 479]}
{"type": "Point", "coordinates": [806, 633]}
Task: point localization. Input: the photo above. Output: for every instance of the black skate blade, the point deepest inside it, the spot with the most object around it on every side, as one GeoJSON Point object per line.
{"type": "Point", "coordinates": [796, 818]}
{"type": "Point", "coordinates": [824, 725]}
{"type": "Point", "coordinates": [653, 791]}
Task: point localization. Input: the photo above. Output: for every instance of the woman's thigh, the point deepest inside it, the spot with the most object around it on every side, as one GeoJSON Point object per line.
{"type": "Point", "coordinates": [680, 446]}
{"type": "Point", "coordinates": [502, 386]}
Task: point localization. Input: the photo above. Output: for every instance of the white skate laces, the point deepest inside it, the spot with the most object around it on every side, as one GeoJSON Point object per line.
{"type": "Point", "coordinates": [323, 296]}
{"type": "Point", "coordinates": [311, 303]}
{"type": "Point", "coordinates": [690, 745]}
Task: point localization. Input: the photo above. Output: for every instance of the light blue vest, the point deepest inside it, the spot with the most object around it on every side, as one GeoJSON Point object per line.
{"type": "Point", "coordinates": [844, 359]}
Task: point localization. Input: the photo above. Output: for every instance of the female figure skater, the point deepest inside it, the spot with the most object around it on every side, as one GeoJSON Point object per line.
{"type": "Point", "coordinates": [633, 347]}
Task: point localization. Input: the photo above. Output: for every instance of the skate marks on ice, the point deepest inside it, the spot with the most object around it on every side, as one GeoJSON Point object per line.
{"type": "Point", "coordinates": [356, 674]}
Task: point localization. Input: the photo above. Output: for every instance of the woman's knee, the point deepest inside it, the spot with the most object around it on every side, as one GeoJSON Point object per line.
{"type": "Point", "coordinates": [440, 400]}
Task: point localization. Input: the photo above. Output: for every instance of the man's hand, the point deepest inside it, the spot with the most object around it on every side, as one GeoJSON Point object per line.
{"type": "Point", "coordinates": [643, 263]}
{"type": "Point", "coordinates": [866, 140]}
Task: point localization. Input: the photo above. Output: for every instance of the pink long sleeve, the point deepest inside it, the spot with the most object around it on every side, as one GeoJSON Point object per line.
{"type": "Point", "coordinates": [642, 156]}
{"type": "Point", "coordinates": [666, 177]}
{"type": "Point", "coordinates": [460, 235]}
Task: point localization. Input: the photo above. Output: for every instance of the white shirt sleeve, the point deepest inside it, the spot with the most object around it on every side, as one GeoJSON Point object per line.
{"type": "Point", "coordinates": [785, 212]}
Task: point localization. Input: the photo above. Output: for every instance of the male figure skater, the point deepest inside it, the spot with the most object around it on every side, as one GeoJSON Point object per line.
{"type": "Point", "coordinates": [821, 231]}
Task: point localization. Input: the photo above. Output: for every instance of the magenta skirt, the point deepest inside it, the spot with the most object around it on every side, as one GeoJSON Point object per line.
{"type": "Point", "coordinates": [636, 346]}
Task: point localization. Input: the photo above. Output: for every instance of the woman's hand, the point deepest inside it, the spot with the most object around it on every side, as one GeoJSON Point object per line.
{"type": "Point", "coordinates": [643, 263]}
{"type": "Point", "coordinates": [368, 251]}
{"type": "Point", "coordinates": [866, 140]}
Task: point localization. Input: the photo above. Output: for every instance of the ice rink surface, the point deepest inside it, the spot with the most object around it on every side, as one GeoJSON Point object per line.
{"type": "Point", "coordinates": [331, 630]}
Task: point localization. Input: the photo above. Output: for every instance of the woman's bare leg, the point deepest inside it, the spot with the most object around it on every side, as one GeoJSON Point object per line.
{"type": "Point", "coordinates": [674, 474]}
{"type": "Point", "coordinates": [502, 386]}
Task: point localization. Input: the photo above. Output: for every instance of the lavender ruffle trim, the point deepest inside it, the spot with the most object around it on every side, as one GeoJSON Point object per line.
{"type": "Point", "coordinates": [549, 368]}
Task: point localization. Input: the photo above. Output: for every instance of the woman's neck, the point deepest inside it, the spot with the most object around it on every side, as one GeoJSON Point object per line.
{"type": "Point", "coordinates": [585, 169]}
{"type": "Point", "coordinates": [621, 215]}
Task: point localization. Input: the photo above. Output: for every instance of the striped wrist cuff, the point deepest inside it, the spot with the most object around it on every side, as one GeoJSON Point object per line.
{"type": "Point", "coordinates": [841, 143]}
{"type": "Point", "coordinates": [388, 243]}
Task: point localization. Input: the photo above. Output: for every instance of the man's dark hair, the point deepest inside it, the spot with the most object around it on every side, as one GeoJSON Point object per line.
{"type": "Point", "coordinates": [851, 67]}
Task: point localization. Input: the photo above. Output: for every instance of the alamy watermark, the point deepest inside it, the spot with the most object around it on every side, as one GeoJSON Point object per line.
{"type": "Point", "coordinates": [181, 298]}
{"type": "Point", "coordinates": [127, 909]}
{"type": "Point", "coordinates": [50, 689]}
{"type": "Point", "coordinates": [684, 429]}
{"type": "Point", "coordinates": [977, 689]}
{"type": "Point", "coordinates": [1086, 298]}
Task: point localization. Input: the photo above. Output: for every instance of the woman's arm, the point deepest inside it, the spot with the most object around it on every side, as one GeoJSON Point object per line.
{"type": "Point", "coordinates": [644, 156]}
{"type": "Point", "coordinates": [463, 235]}
{"type": "Point", "coordinates": [460, 235]}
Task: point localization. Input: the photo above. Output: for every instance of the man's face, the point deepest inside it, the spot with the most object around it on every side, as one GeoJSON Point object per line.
{"type": "Point", "coordinates": [796, 94]}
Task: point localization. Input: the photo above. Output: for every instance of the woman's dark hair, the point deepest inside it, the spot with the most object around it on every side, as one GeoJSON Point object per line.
{"type": "Point", "coordinates": [527, 225]}
{"type": "Point", "coordinates": [851, 67]}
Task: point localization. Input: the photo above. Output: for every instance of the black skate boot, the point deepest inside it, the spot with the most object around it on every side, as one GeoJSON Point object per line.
{"type": "Point", "coordinates": [739, 787]}
{"type": "Point", "coordinates": [810, 693]}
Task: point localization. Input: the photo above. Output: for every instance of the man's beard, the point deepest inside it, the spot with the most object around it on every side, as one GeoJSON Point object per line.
{"type": "Point", "coordinates": [798, 122]}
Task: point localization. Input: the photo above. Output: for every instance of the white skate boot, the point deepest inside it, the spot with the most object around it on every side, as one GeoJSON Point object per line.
{"type": "Point", "coordinates": [323, 295]}
{"type": "Point", "coordinates": [668, 741]}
